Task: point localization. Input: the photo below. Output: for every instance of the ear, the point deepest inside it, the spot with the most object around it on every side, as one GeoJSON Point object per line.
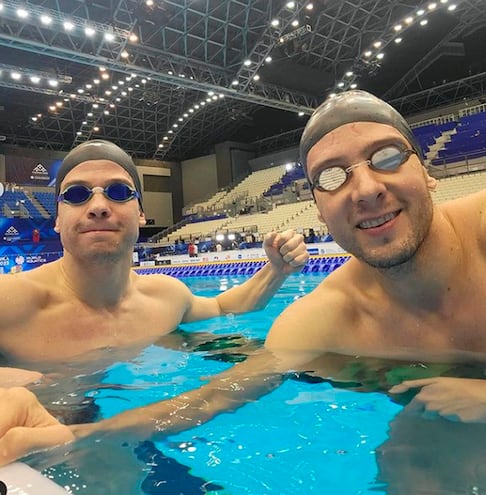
{"type": "Point", "coordinates": [142, 220]}
{"type": "Point", "coordinates": [56, 226]}
{"type": "Point", "coordinates": [431, 182]}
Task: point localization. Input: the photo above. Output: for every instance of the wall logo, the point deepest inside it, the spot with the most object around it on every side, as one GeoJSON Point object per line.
{"type": "Point", "coordinates": [39, 172]}
{"type": "Point", "coordinates": [11, 234]}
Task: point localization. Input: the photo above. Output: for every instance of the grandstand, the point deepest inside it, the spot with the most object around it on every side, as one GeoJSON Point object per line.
{"type": "Point", "coordinates": [455, 151]}
{"type": "Point", "coordinates": [278, 198]}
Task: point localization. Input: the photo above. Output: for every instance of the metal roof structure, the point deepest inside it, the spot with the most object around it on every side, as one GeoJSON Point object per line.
{"type": "Point", "coordinates": [169, 79]}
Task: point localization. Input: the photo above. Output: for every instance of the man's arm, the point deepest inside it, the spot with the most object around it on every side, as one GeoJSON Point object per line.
{"type": "Point", "coordinates": [26, 426]}
{"type": "Point", "coordinates": [286, 253]}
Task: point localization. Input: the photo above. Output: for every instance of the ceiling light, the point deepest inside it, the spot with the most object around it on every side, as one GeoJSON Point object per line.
{"type": "Point", "coordinates": [46, 20]}
{"type": "Point", "coordinates": [409, 20]}
{"type": "Point", "coordinates": [398, 40]}
{"type": "Point", "coordinates": [424, 22]}
{"type": "Point", "coordinates": [397, 27]}
{"type": "Point", "coordinates": [295, 22]}
{"type": "Point", "coordinates": [105, 76]}
{"type": "Point", "coordinates": [377, 44]}
{"type": "Point", "coordinates": [380, 56]}
{"type": "Point", "coordinates": [309, 6]}
{"type": "Point", "coordinates": [291, 5]}
{"type": "Point", "coordinates": [368, 53]}
{"type": "Point", "coordinates": [432, 6]}
{"type": "Point", "coordinates": [133, 37]}
{"type": "Point", "coordinates": [124, 54]}
{"type": "Point", "coordinates": [68, 26]}
{"type": "Point", "coordinates": [256, 77]}
{"type": "Point", "coordinates": [35, 79]}
{"type": "Point", "coordinates": [275, 22]}
{"type": "Point", "coordinates": [452, 7]}
{"type": "Point", "coordinates": [16, 76]}
{"type": "Point", "coordinates": [247, 63]}
{"type": "Point", "coordinates": [53, 83]}
{"type": "Point", "coordinates": [234, 83]}
{"type": "Point", "coordinates": [349, 73]}
{"type": "Point", "coordinates": [22, 13]}
{"type": "Point", "coordinates": [109, 37]}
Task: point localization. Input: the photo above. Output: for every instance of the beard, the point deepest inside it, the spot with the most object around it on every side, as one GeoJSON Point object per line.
{"type": "Point", "coordinates": [391, 255]}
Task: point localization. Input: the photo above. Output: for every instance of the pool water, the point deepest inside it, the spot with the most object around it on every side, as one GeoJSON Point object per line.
{"type": "Point", "coordinates": [306, 437]}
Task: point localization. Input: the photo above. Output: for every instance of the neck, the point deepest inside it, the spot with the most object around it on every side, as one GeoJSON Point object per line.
{"type": "Point", "coordinates": [97, 283]}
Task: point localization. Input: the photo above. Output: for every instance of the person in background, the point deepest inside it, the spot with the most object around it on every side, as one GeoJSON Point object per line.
{"type": "Point", "coordinates": [36, 236]}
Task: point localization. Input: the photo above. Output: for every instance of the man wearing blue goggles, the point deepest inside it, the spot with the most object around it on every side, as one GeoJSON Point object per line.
{"type": "Point", "coordinates": [78, 194]}
{"type": "Point", "coordinates": [91, 299]}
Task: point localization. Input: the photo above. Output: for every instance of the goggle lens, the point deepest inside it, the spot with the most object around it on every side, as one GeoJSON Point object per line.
{"type": "Point", "coordinates": [77, 194]}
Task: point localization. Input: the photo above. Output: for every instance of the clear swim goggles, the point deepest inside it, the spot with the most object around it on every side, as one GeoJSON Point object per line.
{"type": "Point", "coordinates": [78, 194]}
{"type": "Point", "coordinates": [386, 159]}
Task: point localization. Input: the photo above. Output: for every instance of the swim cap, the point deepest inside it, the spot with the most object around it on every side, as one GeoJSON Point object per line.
{"type": "Point", "coordinates": [98, 149]}
{"type": "Point", "coordinates": [348, 107]}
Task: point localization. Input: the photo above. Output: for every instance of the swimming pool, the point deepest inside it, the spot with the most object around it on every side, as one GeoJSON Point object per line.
{"type": "Point", "coordinates": [308, 436]}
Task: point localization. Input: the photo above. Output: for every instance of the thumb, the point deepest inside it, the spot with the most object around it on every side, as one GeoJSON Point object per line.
{"type": "Point", "coordinates": [270, 238]}
{"type": "Point", "coordinates": [408, 384]}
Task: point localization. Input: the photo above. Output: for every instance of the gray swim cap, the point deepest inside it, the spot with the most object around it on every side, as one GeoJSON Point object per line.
{"type": "Point", "coordinates": [98, 149]}
{"type": "Point", "coordinates": [348, 107]}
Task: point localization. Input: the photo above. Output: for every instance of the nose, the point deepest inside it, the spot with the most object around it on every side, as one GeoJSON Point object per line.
{"type": "Point", "coordinates": [98, 204]}
{"type": "Point", "coordinates": [367, 185]}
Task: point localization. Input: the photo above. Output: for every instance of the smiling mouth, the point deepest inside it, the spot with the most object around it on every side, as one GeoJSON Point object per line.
{"type": "Point", "coordinates": [377, 222]}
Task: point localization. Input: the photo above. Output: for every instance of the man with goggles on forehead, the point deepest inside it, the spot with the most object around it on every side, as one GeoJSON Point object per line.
{"type": "Point", "coordinates": [65, 303]}
{"type": "Point", "coordinates": [412, 291]}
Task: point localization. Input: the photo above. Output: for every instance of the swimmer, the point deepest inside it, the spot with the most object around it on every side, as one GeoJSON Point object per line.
{"type": "Point", "coordinates": [91, 299]}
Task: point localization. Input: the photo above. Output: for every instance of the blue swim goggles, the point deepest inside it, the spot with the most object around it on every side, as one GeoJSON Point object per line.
{"type": "Point", "coordinates": [78, 194]}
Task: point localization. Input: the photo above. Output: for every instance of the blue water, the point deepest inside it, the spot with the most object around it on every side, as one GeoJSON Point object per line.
{"type": "Point", "coordinates": [307, 438]}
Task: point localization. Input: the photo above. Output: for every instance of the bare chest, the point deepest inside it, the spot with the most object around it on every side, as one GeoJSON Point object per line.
{"type": "Point", "coordinates": [66, 329]}
{"type": "Point", "coordinates": [457, 324]}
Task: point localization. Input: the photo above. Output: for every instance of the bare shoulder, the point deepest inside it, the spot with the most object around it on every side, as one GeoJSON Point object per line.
{"type": "Point", "coordinates": [471, 207]}
{"type": "Point", "coordinates": [159, 284]}
{"type": "Point", "coordinates": [164, 288]}
{"type": "Point", "coordinates": [468, 215]}
{"type": "Point", "coordinates": [31, 283]}
{"type": "Point", "coordinates": [313, 322]}
{"type": "Point", "coordinates": [24, 293]}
